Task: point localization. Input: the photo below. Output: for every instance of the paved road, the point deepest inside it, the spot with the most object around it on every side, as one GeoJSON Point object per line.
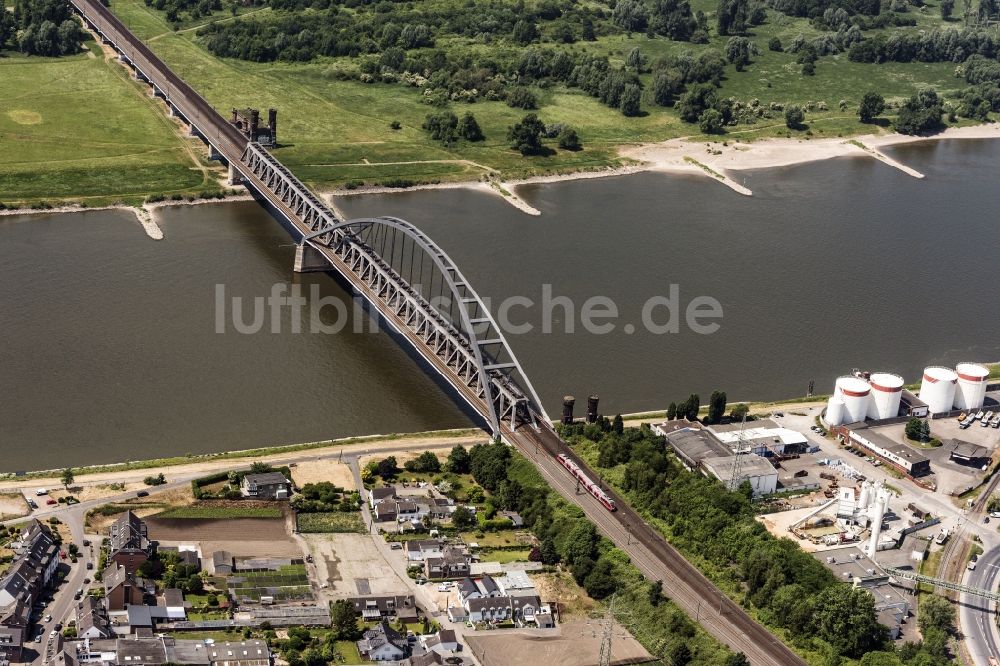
{"type": "Point", "coordinates": [977, 614]}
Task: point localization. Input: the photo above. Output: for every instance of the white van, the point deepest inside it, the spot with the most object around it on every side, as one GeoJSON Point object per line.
{"type": "Point", "coordinates": [41, 491]}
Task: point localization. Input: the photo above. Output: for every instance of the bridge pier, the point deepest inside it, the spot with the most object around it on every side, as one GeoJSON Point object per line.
{"type": "Point", "coordinates": [213, 153]}
{"type": "Point", "coordinates": [236, 178]}
{"type": "Point", "coordinates": [309, 260]}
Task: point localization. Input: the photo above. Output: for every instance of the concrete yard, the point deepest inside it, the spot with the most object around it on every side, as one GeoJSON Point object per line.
{"type": "Point", "coordinates": [576, 643]}
{"type": "Point", "coordinates": [351, 564]}
{"type": "Point", "coordinates": [13, 505]}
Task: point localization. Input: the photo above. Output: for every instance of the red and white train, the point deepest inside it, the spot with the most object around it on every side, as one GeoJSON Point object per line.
{"type": "Point", "coordinates": [585, 481]}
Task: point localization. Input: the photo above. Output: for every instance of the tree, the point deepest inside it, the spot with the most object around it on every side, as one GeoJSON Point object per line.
{"type": "Point", "coordinates": [524, 32]}
{"type": "Point", "coordinates": [773, 44]}
{"type": "Point", "coordinates": [739, 50]}
{"type": "Point", "coordinates": [936, 613]}
{"type": "Point", "coordinates": [716, 406]}
{"type": "Point", "coordinates": [550, 555]}
{"type": "Point", "coordinates": [918, 430]}
{"type": "Point", "coordinates": [655, 592]}
{"type": "Point", "coordinates": [631, 96]}
{"type": "Point", "coordinates": [630, 15]}
{"type": "Point", "coordinates": [733, 17]}
{"type": "Point", "coordinates": [442, 126]}
{"type": "Point", "coordinates": [693, 405]}
{"type": "Point", "coordinates": [520, 97]}
{"type": "Point", "coordinates": [695, 101]}
{"type": "Point", "coordinates": [587, 31]}
{"type": "Point", "coordinates": [468, 128]}
{"type": "Point", "coordinates": [569, 140]}
{"type": "Point", "coordinates": [738, 659]}
{"type": "Point", "coordinates": [710, 122]}
{"type": "Point", "coordinates": [462, 518]}
{"type": "Point", "coordinates": [195, 585]}
{"type": "Point", "coordinates": [458, 460]}
{"type": "Point", "coordinates": [601, 581]}
{"type": "Point", "coordinates": [672, 411]}
{"type": "Point", "coordinates": [425, 462]}
{"type": "Point", "coordinates": [387, 467]}
{"type": "Point", "coordinates": [680, 654]}
{"type": "Point", "coordinates": [794, 116]}
{"type": "Point", "coordinates": [260, 468]}
{"type": "Point", "coordinates": [526, 136]}
{"type": "Point", "coordinates": [845, 617]}
{"type": "Point", "coordinates": [872, 104]}
{"type": "Point", "coordinates": [666, 85]}
{"type": "Point", "coordinates": [947, 7]}
{"type": "Point", "coordinates": [636, 59]}
{"type": "Point", "coordinates": [67, 477]}
{"type": "Point", "coordinates": [921, 114]}
{"type": "Point", "coordinates": [618, 425]}
{"type": "Point", "coordinates": [739, 411]}
{"type": "Point", "coordinates": [345, 620]}
{"type": "Point", "coordinates": [581, 543]}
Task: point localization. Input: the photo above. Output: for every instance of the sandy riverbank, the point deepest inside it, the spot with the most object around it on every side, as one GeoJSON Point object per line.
{"type": "Point", "coordinates": [714, 160]}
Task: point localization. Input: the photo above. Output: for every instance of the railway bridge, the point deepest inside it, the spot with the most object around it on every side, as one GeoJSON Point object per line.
{"type": "Point", "coordinates": [413, 286]}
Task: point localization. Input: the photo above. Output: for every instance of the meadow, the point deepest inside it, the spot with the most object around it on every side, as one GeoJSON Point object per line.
{"type": "Point", "coordinates": [76, 128]}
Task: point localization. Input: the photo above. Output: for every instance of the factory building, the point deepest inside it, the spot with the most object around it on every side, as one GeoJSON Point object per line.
{"type": "Point", "coordinates": [902, 456]}
{"type": "Point", "coordinates": [763, 437]}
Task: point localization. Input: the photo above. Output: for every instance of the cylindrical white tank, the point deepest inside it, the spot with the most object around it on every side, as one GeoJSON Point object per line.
{"type": "Point", "coordinates": [876, 528]}
{"type": "Point", "coordinates": [866, 496]}
{"type": "Point", "coordinates": [937, 388]}
{"type": "Point", "coordinates": [970, 391]}
{"type": "Point", "coordinates": [834, 411]}
{"type": "Point", "coordinates": [854, 392]}
{"type": "Point", "coordinates": [887, 388]}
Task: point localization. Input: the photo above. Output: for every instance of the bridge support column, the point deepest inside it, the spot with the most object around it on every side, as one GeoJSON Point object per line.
{"type": "Point", "coordinates": [172, 110]}
{"type": "Point", "coordinates": [236, 178]}
{"type": "Point", "coordinates": [213, 154]}
{"type": "Point", "coordinates": [193, 133]}
{"type": "Point", "coordinates": [308, 260]}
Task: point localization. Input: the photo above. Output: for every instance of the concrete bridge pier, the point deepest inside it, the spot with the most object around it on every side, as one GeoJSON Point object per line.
{"type": "Point", "coordinates": [309, 260]}
{"type": "Point", "coordinates": [236, 178]}
{"type": "Point", "coordinates": [214, 154]}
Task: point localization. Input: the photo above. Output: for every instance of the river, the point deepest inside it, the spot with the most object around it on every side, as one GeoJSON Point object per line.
{"type": "Point", "coordinates": [110, 350]}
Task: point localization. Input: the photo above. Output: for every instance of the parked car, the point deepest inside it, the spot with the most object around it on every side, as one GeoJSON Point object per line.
{"type": "Point", "coordinates": [51, 501]}
{"type": "Point", "coordinates": [86, 581]}
{"type": "Point", "coordinates": [90, 565]}
{"type": "Point", "coordinates": [142, 493]}
{"type": "Point", "coordinates": [86, 542]}
{"type": "Point", "coordinates": [47, 619]}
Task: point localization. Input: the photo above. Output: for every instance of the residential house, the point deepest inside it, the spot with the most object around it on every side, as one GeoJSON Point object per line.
{"type": "Point", "coordinates": [92, 619]}
{"type": "Point", "coordinates": [36, 557]}
{"type": "Point", "coordinates": [385, 512]}
{"type": "Point", "coordinates": [172, 600]}
{"type": "Point", "coordinates": [238, 653]}
{"type": "Point", "coordinates": [373, 608]}
{"type": "Point", "coordinates": [444, 641]}
{"type": "Point", "coordinates": [419, 550]}
{"type": "Point", "coordinates": [426, 659]}
{"type": "Point", "coordinates": [513, 516]}
{"type": "Point", "coordinates": [491, 610]}
{"type": "Point", "coordinates": [187, 556]}
{"type": "Point", "coordinates": [158, 650]}
{"type": "Point", "coordinates": [129, 544]}
{"type": "Point", "coordinates": [378, 495]}
{"type": "Point", "coordinates": [383, 643]}
{"type": "Point", "coordinates": [453, 563]}
{"type": "Point", "coordinates": [478, 588]}
{"type": "Point", "coordinates": [266, 486]}
{"type": "Point", "coordinates": [123, 589]}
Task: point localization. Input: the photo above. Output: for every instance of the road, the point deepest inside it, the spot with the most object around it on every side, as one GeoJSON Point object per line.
{"type": "Point", "coordinates": [976, 614]}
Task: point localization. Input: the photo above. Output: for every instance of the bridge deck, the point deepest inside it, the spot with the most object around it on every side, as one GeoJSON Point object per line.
{"type": "Point", "coordinates": [683, 583]}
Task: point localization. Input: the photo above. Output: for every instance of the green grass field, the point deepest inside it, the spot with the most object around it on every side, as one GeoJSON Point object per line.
{"type": "Point", "coordinates": [331, 522]}
{"type": "Point", "coordinates": [336, 131]}
{"type": "Point", "coordinates": [76, 128]}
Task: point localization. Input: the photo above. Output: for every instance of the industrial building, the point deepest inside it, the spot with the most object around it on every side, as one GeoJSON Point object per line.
{"type": "Point", "coordinates": [763, 437]}
{"type": "Point", "coordinates": [701, 449]}
{"type": "Point", "coordinates": [906, 458]}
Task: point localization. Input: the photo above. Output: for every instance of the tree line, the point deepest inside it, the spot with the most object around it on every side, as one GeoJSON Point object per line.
{"type": "Point", "coordinates": [41, 27]}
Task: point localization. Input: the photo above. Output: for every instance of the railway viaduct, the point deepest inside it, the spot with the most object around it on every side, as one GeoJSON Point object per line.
{"type": "Point", "coordinates": [418, 291]}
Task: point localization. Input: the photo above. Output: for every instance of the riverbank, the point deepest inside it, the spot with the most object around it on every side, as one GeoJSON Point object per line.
{"type": "Point", "coordinates": [716, 159]}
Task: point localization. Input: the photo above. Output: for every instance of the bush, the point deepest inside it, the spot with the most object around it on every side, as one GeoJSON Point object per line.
{"type": "Point", "coordinates": [794, 116]}
{"type": "Point", "coordinates": [521, 98]}
{"type": "Point", "coordinates": [774, 44]}
{"type": "Point", "coordinates": [568, 139]}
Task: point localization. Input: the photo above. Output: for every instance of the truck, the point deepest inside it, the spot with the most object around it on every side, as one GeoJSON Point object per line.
{"type": "Point", "coordinates": [942, 536]}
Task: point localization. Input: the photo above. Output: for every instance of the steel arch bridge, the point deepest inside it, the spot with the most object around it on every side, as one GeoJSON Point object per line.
{"type": "Point", "coordinates": [408, 275]}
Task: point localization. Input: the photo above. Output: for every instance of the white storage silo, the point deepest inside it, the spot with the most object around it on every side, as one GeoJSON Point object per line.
{"type": "Point", "coordinates": [970, 391]}
{"type": "Point", "coordinates": [855, 394]}
{"type": "Point", "coordinates": [866, 495]}
{"type": "Point", "coordinates": [887, 389]}
{"type": "Point", "coordinates": [937, 388]}
{"type": "Point", "coordinates": [834, 411]}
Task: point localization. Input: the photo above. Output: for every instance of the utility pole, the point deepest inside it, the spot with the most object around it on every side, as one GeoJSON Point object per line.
{"type": "Point", "coordinates": [734, 480]}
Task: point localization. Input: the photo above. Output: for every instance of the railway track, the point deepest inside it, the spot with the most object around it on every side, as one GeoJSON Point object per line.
{"type": "Point", "coordinates": [655, 558]}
